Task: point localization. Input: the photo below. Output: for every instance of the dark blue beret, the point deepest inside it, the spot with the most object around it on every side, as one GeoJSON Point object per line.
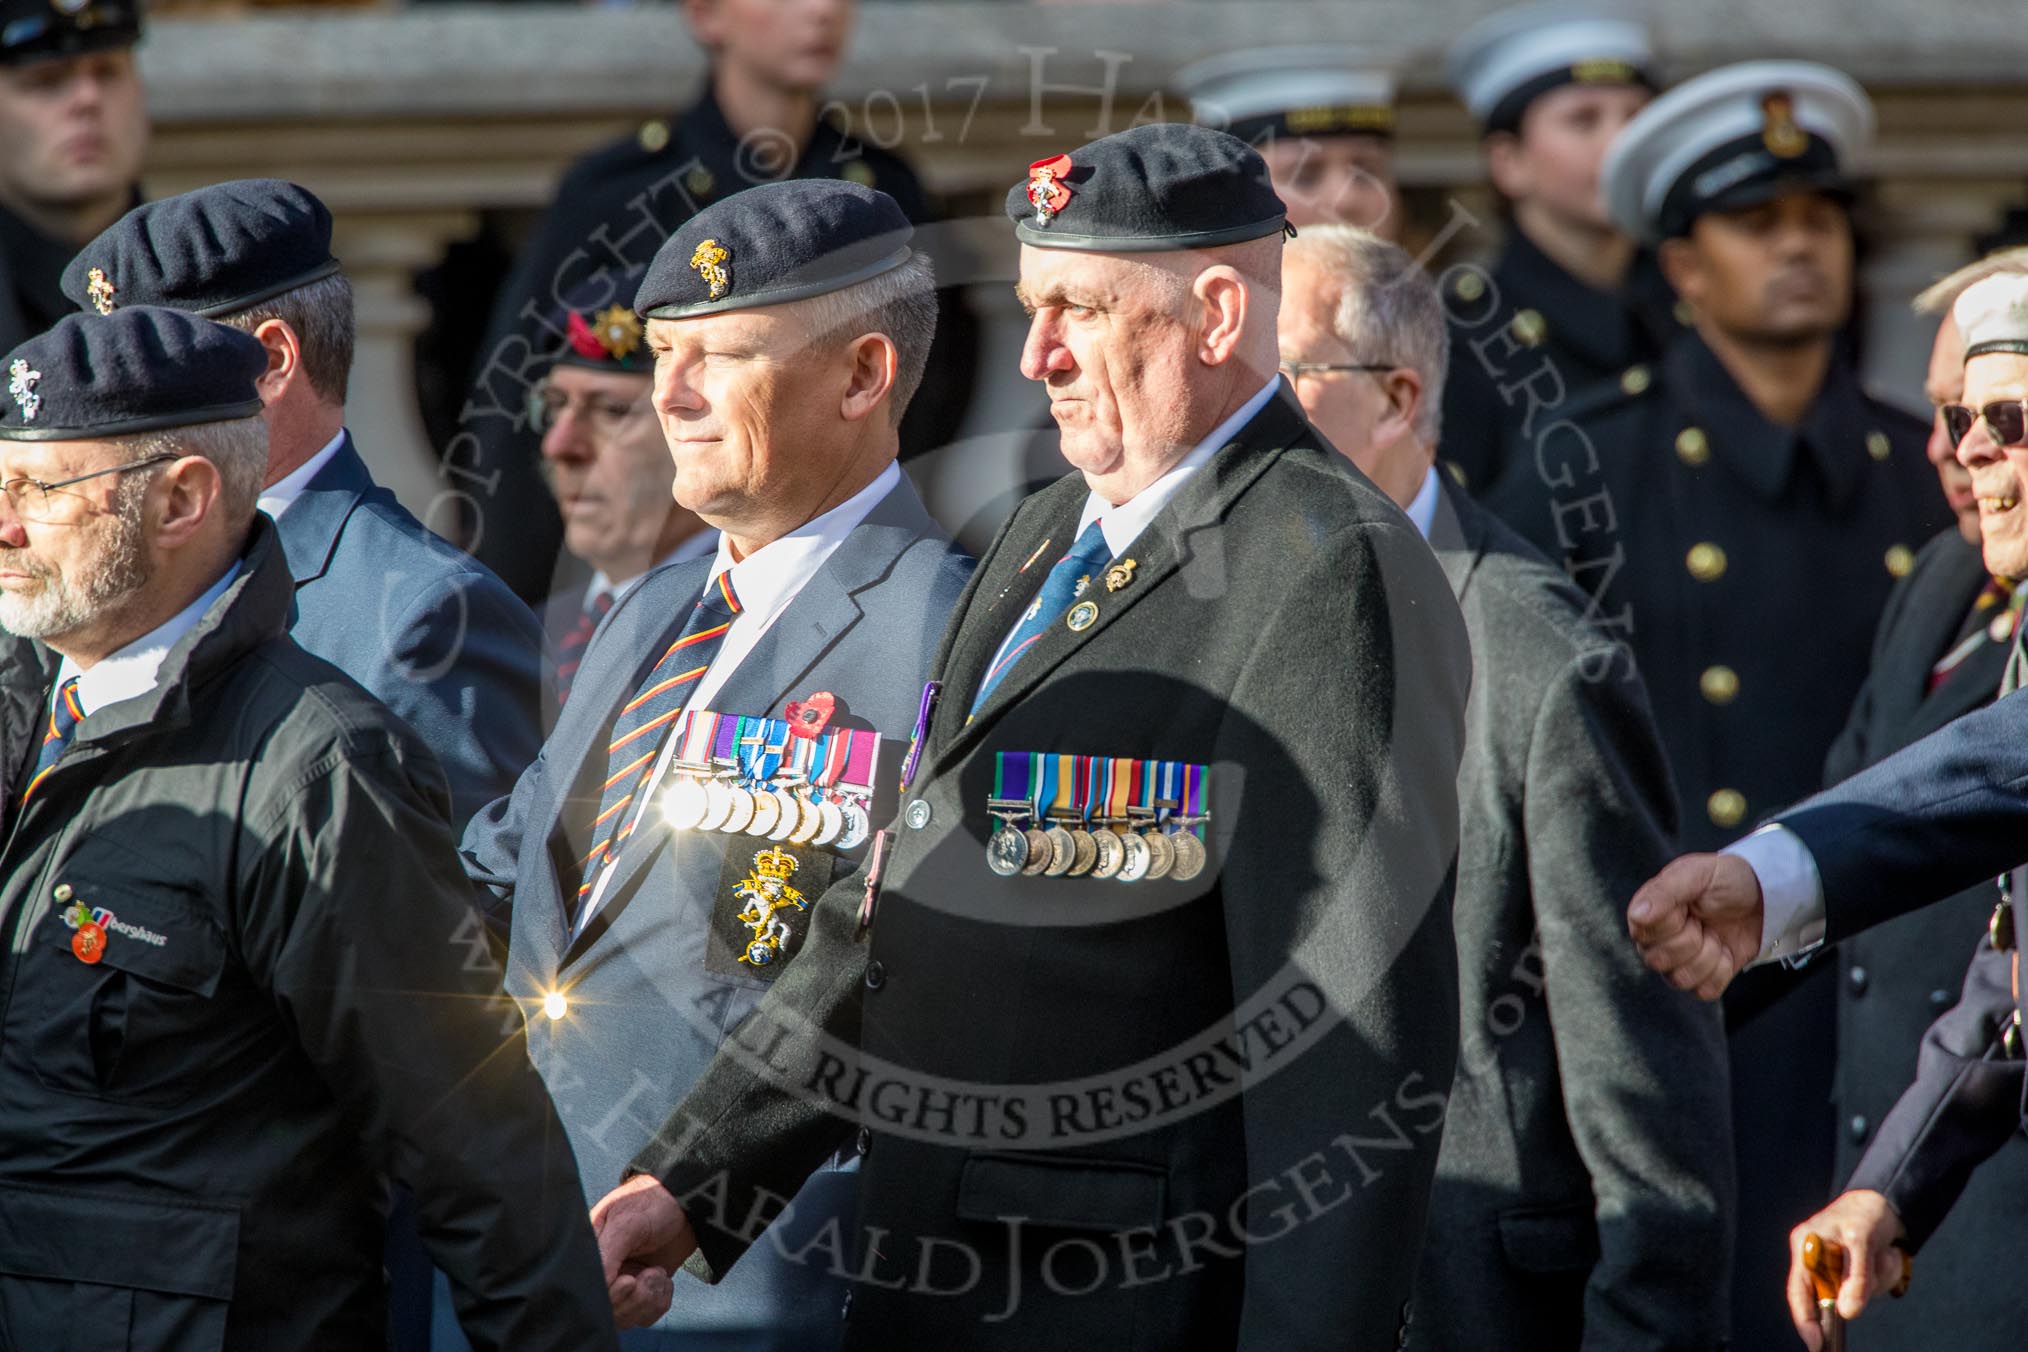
{"type": "Point", "coordinates": [137, 370]}
{"type": "Point", "coordinates": [38, 30]}
{"type": "Point", "coordinates": [772, 244]}
{"type": "Point", "coordinates": [1168, 185]}
{"type": "Point", "coordinates": [214, 251]}
{"type": "Point", "coordinates": [601, 330]}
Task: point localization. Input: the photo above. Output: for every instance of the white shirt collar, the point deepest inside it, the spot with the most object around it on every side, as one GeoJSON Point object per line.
{"type": "Point", "coordinates": [1422, 508]}
{"type": "Point", "coordinates": [693, 546]}
{"type": "Point", "coordinates": [276, 497]}
{"type": "Point", "coordinates": [769, 578]}
{"type": "Point", "coordinates": [131, 671]}
{"type": "Point", "coordinates": [1123, 524]}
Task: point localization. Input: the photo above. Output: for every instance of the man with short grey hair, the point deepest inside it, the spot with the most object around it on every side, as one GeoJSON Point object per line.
{"type": "Point", "coordinates": [1584, 1182]}
{"type": "Point", "coordinates": [428, 630]}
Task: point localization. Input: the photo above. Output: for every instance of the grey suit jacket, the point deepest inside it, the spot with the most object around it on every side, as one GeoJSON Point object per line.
{"type": "Point", "coordinates": [1584, 1186]}
{"type": "Point", "coordinates": [644, 1013]}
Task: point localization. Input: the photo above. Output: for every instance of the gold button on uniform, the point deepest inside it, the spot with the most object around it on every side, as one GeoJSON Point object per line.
{"type": "Point", "coordinates": [1693, 448]}
{"type": "Point", "coordinates": [1727, 807]}
{"type": "Point", "coordinates": [1530, 328]}
{"type": "Point", "coordinates": [1720, 684]}
{"type": "Point", "coordinates": [700, 181]}
{"type": "Point", "coordinates": [1878, 446]}
{"type": "Point", "coordinates": [1705, 561]}
{"type": "Point", "coordinates": [1457, 473]}
{"type": "Point", "coordinates": [1469, 285]}
{"type": "Point", "coordinates": [1899, 560]}
{"type": "Point", "coordinates": [1635, 380]}
{"type": "Point", "coordinates": [858, 171]}
{"type": "Point", "coordinates": [654, 135]}
{"type": "Point", "coordinates": [1685, 315]}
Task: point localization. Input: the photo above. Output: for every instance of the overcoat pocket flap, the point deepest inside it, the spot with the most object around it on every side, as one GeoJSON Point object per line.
{"type": "Point", "coordinates": [1069, 1194]}
{"type": "Point", "coordinates": [1550, 1238]}
{"type": "Point", "coordinates": [178, 1247]}
{"type": "Point", "coordinates": [149, 933]}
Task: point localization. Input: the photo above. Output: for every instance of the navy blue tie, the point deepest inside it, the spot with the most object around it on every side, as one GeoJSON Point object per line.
{"type": "Point", "coordinates": [1066, 582]}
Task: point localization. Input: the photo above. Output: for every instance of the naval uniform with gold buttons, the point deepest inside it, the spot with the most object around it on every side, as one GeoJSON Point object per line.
{"type": "Point", "coordinates": [613, 209]}
{"type": "Point", "coordinates": [1527, 337]}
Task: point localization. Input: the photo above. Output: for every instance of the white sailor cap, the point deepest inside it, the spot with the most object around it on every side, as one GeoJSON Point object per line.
{"type": "Point", "coordinates": [1992, 315]}
{"type": "Point", "coordinates": [1731, 138]}
{"type": "Point", "coordinates": [1509, 59]}
{"type": "Point", "coordinates": [1292, 91]}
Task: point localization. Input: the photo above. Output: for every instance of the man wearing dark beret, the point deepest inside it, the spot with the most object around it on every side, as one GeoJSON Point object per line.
{"type": "Point", "coordinates": [432, 633]}
{"type": "Point", "coordinates": [73, 126]}
{"type": "Point", "coordinates": [771, 683]}
{"type": "Point", "coordinates": [1144, 1032]}
{"type": "Point", "coordinates": [235, 996]}
{"type": "Point", "coordinates": [761, 117]}
{"type": "Point", "coordinates": [608, 467]}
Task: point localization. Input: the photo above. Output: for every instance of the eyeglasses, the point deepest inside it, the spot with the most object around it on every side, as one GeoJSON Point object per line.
{"type": "Point", "coordinates": [606, 416]}
{"type": "Point", "coordinates": [30, 498]}
{"type": "Point", "coordinates": [2007, 417]}
{"type": "Point", "coordinates": [1295, 370]}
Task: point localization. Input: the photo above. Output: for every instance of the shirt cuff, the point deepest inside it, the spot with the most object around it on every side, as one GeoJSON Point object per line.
{"type": "Point", "coordinates": [1791, 893]}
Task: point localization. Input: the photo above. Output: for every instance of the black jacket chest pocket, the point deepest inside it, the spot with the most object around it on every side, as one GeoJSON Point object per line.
{"type": "Point", "coordinates": [141, 1023]}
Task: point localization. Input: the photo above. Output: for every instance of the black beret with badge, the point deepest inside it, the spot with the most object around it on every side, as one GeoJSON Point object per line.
{"type": "Point", "coordinates": [601, 330]}
{"type": "Point", "coordinates": [1733, 138]}
{"type": "Point", "coordinates": [1315, 90]}
{"type": "Point", "coordinates": [1164, 186]}
{"type": "Point", "coordinates": [214, 251]}
{"type": "Point", "coordinates": [1511, 58]}
{"type": "Point", "coordinates": [772, 244]}
{"type": "Point", "coordinates": [43, 30]}
{"type": "Point", "coordinates": [138, 370]}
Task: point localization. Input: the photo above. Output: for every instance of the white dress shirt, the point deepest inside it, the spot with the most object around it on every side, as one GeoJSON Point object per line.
{"type": "Point", "coordinates": [1791, 892]}
{"type": "Point", "coordinates": [276, 497]}
{"type": "Point", "coordinates": [765, 581]}
{"type": "Point", "coordinates": [1422, 507]}
{"type": "Point", "coordinates": [131, 671]}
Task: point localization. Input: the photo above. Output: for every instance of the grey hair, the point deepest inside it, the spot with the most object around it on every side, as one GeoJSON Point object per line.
{"type": "Point", "coordinates": [901, 303]}
{"type": "Point", "coordinates": [321, 315]}
{"type": "Point", "coordinates": [1939, 296]}
{"type": "Point", "coordinates": [1389, 311]}
{"type": "Point", "coordinates": [238, 448]}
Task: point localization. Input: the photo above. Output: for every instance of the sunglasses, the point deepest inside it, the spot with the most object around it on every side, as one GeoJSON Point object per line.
{"type": "Point", "coordinates": [2008, 419]}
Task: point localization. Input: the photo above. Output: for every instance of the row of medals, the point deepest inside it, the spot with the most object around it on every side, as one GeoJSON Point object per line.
{"type": "Point", "coordinates": [782, 811]}
{"type": "Point", "coordinates": [1117, 849]}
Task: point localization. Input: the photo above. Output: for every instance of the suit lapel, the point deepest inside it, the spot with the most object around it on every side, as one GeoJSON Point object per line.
{"type": "Point", "coordinates": [1159, 551]}
{"type": "Point", "coordinates": [1457, 534]}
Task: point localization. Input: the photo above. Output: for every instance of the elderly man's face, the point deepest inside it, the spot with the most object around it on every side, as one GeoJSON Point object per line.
{"type": "Point", "coordinates": [603, 451]}
{"type": "Point", "coordinates": [1112, 345]}
{"type": "Point", "coordinates": [732, 392]}
{"type": "Point", "coordinates": [1328, 180]}
{"type": "Point", "coordinates": [72, 129]}
{"type": "Point", "coordinates": [1778, 272]}
{"type": "Point", "coordinates": [1945, 384]}
{"type": "Point", "coordinates": [1999, 473]}
{"type": "Point", "coordinates": [70, 557]}
{"type": "Point", "coordinates": [1344, 405]}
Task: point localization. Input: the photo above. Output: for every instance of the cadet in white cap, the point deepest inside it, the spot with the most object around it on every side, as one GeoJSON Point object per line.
{"type": "Point", "coordinates": [1570, 302]}
{"type": "Point", "coordinates": [1740, 516]}
{"type": "Point", "coordinates": [1323, 119]}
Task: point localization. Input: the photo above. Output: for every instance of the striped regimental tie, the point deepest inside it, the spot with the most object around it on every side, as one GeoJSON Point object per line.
{"type": "Point", "coordinates": [570, 655]}
{"type": "Point", "coordinates": [636, 736]}
{"type": "Point", "coordinates": [64, 716]}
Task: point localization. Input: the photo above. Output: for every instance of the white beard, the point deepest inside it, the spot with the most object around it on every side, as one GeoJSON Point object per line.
{"type": "Point", "coordinates": [61, 605]}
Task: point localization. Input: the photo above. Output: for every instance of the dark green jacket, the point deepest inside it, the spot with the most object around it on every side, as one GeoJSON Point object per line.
{"type": "Point", "coordinates": [293, 1002]}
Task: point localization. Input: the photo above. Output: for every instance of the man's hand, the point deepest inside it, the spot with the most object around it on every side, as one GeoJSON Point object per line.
{"type": "Point", "coordinates": [1698, 921]}
{"type": "Point", "coordinates": [1867, 1227]}
{"type": "Point", "coordinates": [643, 1238]}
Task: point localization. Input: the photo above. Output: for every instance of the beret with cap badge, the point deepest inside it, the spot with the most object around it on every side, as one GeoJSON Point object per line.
{"type": "Point", "coordinates": [141, 369]}
{"type": "Point", "coordinates": [1159, 187]}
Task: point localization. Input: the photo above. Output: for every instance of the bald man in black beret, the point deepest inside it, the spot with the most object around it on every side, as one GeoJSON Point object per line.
{"type": "Point", "coordinates": [235, 1000]}
{"type": "Point", "coordinates": [1144, 1029]}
